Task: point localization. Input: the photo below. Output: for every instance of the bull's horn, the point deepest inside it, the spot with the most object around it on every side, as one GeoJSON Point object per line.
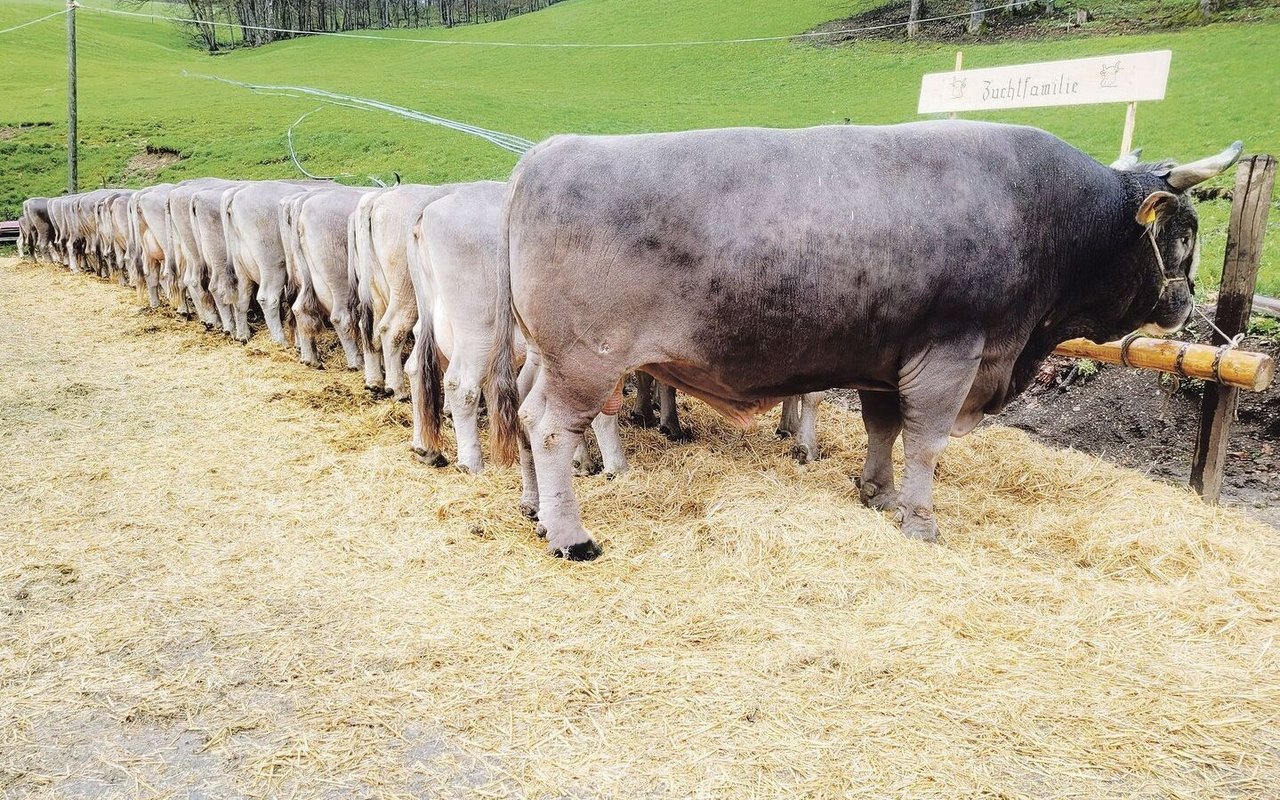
{"type": "Point", "coordinates": [1188, 175]}
{"type": "Point", "coordinates": [1127, 162]}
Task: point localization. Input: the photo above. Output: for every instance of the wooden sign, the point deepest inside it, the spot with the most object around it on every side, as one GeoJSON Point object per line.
{"type": "Point", "coordinates": [1125, 78]}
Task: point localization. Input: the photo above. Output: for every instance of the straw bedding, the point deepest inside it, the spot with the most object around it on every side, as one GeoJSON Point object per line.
{"type": "Point", "coordinates": [223, 572]}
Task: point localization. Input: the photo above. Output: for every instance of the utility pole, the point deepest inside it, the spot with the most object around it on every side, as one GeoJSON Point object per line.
{"type": "Point", "coordinates": [72, 155]}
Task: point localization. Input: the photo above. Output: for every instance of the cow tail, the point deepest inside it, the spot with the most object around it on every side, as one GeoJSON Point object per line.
{"type": "Point", "coordinates": [501, 388]}
{"type": "Point", "coordinates": [169, 280]}
{"type": "Point", "coordinates": [360, 246]}
{"type": "Point", "coordinates": [230, 279]}
{"type": "Point", "coordinates": [289, 320]}
{"type": "Point", "coordinates": [429, 403]}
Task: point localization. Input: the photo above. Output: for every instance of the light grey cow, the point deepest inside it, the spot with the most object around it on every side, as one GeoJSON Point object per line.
{"type": "Point", "coordinates": [383, 295]}
{"type": "Point", "coordinates": [454, 257]}
{"type": "Point", "coordinates": [925, 265]}
{"type": "Point", "coordinates": [184, 266]}
{"type": "Point", "coordinates": [39, 228]}
{"type": "Point", "coordinates": [149, 241]}
{"type": "Point", "coordinates": [256, 253]}
{"type": "Point", "coordinates": [211, 241]}
{"type": "Point", "coordinates": [316, 229]}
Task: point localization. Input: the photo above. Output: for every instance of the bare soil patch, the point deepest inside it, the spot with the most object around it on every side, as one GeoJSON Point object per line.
{"type": "Point", "coordinates": [148, 164]}
{"type": "Point", "coordinates": [224, 574]}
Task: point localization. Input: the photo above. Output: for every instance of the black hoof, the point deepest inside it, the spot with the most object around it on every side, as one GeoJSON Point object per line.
{"type": "Point", "coordinates": [783, 433]}
{"type": "Point", "coordinates": [643, 421]}
{"type": "Point", "coordinates": [678, 435]}
{"type": "Point", "coordinates": [430, 459]}
{"type": "Point", "coordinates": [582, 551]}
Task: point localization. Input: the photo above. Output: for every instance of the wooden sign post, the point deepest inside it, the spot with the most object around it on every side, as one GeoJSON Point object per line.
{"type": "Point", "coordinates": [1255, 178]}
{"type": "Point", "coordinates": [1127, 78]}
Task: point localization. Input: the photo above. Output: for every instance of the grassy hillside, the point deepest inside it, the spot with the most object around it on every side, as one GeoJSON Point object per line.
{"type": "Point", "coordinates": [133, 93]}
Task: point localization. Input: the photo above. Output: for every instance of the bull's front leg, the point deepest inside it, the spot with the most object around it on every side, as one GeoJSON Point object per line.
{"type": "Point", "coordinates": [933, 387]}
{"type": "Point", "coordinates": [882, 416]}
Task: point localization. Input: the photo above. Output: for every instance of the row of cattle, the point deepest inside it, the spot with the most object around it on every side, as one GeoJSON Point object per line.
{"type": "Point", "coordinates": [930, 266]}
{"type": "Point", "coordinates": [382, 268]}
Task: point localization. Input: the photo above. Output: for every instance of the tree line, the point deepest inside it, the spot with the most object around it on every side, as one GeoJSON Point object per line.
{"type": "Point", "coordinates": [249, 18]}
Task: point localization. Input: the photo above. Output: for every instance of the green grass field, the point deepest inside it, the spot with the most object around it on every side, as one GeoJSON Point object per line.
{"type": "Point", "coordinates": [1225, 84]}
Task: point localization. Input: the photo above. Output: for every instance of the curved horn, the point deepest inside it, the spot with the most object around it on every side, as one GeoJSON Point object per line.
{"type": "Point", "coordinates": [397, 174]}
{"type": "Point", "coordinates": [1188, 175]}
{"type": "Point", "coordinates": [1127, 162]}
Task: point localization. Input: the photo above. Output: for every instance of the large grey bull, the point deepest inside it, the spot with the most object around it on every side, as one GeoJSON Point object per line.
{"type": "Point", "coordinates": [316, 228]}
{"type": "Point", "coordinates": [455, 255]}
{"type": "Point", "coordinates": [256, 252]}
{"type": "Point", "coordinates": [931, 266]}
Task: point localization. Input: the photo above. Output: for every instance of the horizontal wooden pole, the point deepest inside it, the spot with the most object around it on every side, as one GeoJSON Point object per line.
{"type": "Point", "coordinates": [1239, 368]}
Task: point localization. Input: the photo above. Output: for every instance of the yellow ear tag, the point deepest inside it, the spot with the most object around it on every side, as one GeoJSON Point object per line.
{"type": "Point", "coordinates": [1148, 216]}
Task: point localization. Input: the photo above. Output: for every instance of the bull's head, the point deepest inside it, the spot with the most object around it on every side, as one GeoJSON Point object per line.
{"type": "Point", "coordinates": [1172, 249]}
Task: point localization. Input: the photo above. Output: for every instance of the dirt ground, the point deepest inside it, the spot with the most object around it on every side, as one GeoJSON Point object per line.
{"type": "Point", "coordinates": [225, 577]}
{"type": "Point", "coordinates": [1135, 419]}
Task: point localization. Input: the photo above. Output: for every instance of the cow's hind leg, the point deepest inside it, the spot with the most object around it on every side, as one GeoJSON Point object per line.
{"type": "Point", "coordinates": [643, 413]}
{"type": "Point", "coordinates": [528, 476]}
{"type": "Point", "coordinates": [806, 449]}
{"type": "Point", "coordinates": [555, 419]}
{"type": "Point", "coordinates": [670, 425]}
{"type": "Point", "coordinates": [933, 388]}
{"type": "Point", "coordinates": [463, 390]}
{"type": "Point", "coordinates": [609, 440]}
{"type": "Point", "coordinates": [270, 292]}
{"type": "Point", "coordinates": [882, 416]}
{"type": "Point", "coordinates": [393, 332]}
{"type": "Point", "coordinates": [240, 311]}
{"type": "Point", "coordinates": [789, 423]}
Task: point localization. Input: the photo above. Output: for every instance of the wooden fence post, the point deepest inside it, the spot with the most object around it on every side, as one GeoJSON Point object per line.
{"type": "Point", "coordinates": [1255, 177]}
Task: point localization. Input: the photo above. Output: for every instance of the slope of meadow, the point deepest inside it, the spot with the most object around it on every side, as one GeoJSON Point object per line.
{"type": "Point", "coordinates": [138, 88]}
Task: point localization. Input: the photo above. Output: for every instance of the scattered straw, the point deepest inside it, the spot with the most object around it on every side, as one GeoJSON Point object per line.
{"type": "Point", "coordinates": [223, 570]}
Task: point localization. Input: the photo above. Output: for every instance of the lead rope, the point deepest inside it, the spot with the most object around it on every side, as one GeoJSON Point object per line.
{"type": "Point", "coordinates": [1231, 342]}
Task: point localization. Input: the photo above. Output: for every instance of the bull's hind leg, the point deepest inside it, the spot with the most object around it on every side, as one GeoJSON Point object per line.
{"type": "Point", "coordinates": [555, 418]}
{"type": "Point", "coordinates": [933, 388]}
{"type": "Point", "coordinates": [882, 417]}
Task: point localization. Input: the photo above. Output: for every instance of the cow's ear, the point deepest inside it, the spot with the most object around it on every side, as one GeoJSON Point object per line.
{"type": "Point", "coordinates": [1154, 205]}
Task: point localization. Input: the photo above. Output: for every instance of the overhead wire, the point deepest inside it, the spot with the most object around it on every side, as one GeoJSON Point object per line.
{"type": "Point", "coordinates": [34, 21]}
